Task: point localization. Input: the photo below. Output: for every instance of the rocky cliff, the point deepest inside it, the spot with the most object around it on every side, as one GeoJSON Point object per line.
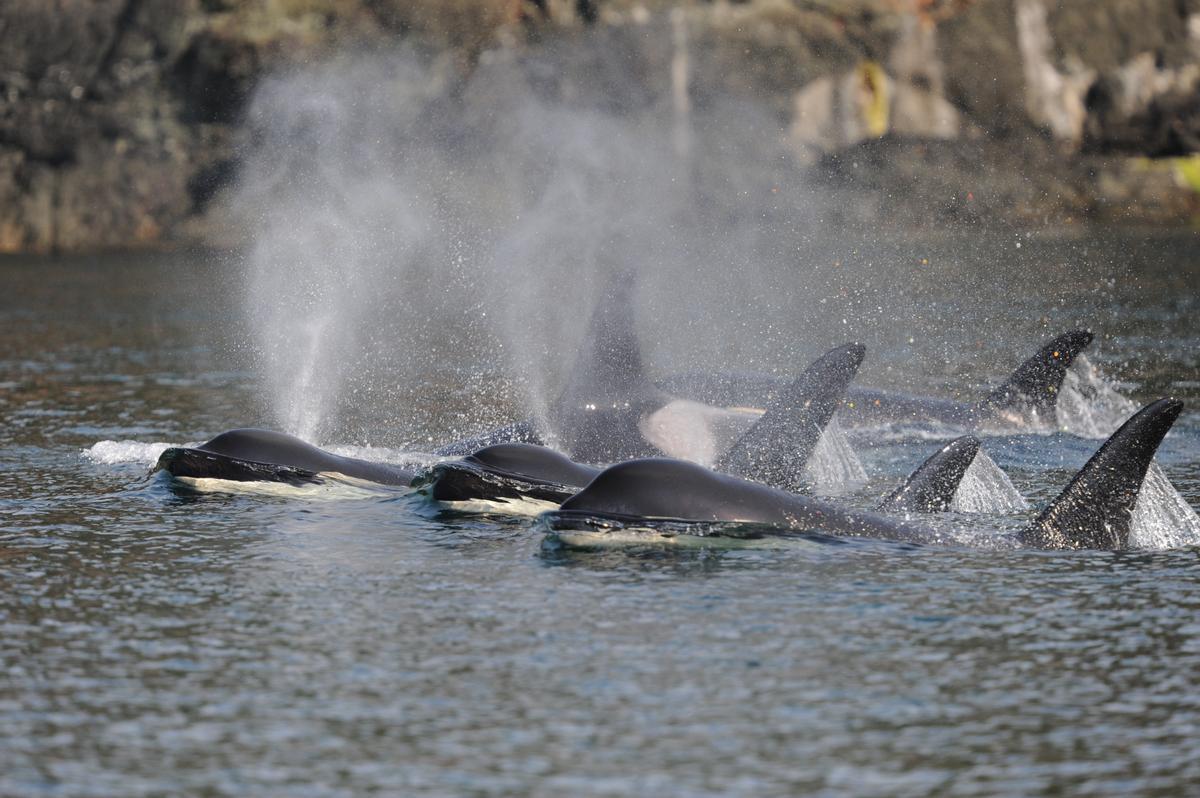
{"type": "Point", "coordinates": [122, 122]}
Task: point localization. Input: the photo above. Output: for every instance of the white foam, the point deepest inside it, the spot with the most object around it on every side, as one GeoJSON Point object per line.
{"type": "Point", "coordinates": [1162, 519]}
{"type": "Point", "coordinates": [834, 468]}
{"type": "Point", "coordinates": [382, 454]}
{"type": "Point", "coordinates": [1088, 404]}
{"type": "Point", "coordinates": [519, 506]}
{"type": "Point", "coordinates": [117, 452]}
{"type": "Point", "coordinates": [985, 488]}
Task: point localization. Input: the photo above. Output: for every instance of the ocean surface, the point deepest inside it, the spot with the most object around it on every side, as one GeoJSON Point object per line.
{"type": "Point", "coordinates": [350, 640]}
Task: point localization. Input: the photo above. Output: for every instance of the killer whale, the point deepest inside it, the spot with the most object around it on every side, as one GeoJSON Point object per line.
{"type": "Point", "coordinates": [507, 471]}
{"type": "Point", "coordinates": [1094, 511]}
{"type": "Point", "coordinates": [609, 410]}
{"type": "Point", "coordinates": [774, 451]}
{"type": "Point", "coordinates": [258, 455]}
{"type": "Point", "coordinates": [931, 488]}
{"type": "Point", "coordinates": [1032, 389]}
{"type": "Point", "coordinates": [595, 417]}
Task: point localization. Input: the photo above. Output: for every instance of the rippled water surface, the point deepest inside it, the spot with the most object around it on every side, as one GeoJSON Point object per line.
{"type": "Point", "coordinates": [159, 642]}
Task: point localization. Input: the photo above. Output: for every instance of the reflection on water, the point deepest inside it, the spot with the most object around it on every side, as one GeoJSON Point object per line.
{"type": "Point", "coordinates": [156, 641]}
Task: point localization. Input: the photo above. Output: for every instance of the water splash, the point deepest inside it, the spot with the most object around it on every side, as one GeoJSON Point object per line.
{"type": "Point", "coordinates": [985, 488]}
{"type": "Point", "coordinates": [118, 452]}
{"type": "Point", "coordinates": [1162, 519]}
{"type": "Point", "coordinates": [406, 457]}
{"type": "Point", "coordinates": [834, 467]}
{"type": "Point", "coordinates": [339, 226]}
{"type": "Point", "coordinates": [300, 403]}
{"type": "Point", "coordinates": [1089, 405]}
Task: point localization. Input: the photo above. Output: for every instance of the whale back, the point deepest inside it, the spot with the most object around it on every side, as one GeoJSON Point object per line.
{"type": "Point", "coordinates": [535, 462]}
{"type": "Point", "coordinates": [661, 489]}
{"type": "Point", "coordinates": [278, 448]}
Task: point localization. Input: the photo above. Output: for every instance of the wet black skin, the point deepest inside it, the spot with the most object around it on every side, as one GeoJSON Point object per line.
{"type": "Point", "coordinates": [1032, 388]}
{"type": "Point", "coordinates": [1093, 512]}
{"type": "Point", "coordinates": [263, 455]}
{"type": "Point", "coordinates": [773, 451]}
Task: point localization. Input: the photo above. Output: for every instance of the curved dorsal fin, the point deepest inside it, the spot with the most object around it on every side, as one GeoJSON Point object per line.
{"type": "Point", "coordinates": [1037, 381]}
{"type": "Point", "coordinates": [931, 488]}
{"type": "Point", "coordinates": [595, 418]}
{"type": "Point", "coordinates": [609, 362]}
{"type": "Point", "coordinates": [775, 450]}
{"type": "Point", "coordinates": [1095, 509]}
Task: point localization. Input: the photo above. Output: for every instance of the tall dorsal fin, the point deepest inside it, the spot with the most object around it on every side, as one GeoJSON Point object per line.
{"type": "Point", "coordinates": [1037, 381]}
{"type": "Point", "coordinates": [1095, 510]}
{"type": "Point", "coordinates": [609, 362]}
{"type": "Point", "coordinates": [775, 450]}
{"type": "Point", "coordinates": [931, 488]}
{"type": "Point", "coordinates": [595, 419]}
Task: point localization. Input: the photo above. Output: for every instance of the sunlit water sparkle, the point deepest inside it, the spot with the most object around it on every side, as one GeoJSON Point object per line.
{"type": "Point", "coordinates": [156, 641]}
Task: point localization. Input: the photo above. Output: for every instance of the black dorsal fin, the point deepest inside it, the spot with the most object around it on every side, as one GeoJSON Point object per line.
{"type": "Point", "coordinates": [1037, 381]}
{"type": "Point", "coordinates": [596, 417]}
{"type": "Point", "coordinates": [1095, 510]}
{"type": "Point", "coordinates": [775, 450]}
{"type": "Point", "coordinates": [609, 362]}
{"type": "Point", "coordinates": [931, 488]}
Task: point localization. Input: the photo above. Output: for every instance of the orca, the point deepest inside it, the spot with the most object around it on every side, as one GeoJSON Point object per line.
{"type": "Point", "coordinates": [259, 455]}
{"type": "Point", "coordinates": [1096, 508]}
{"type": "Point", "coordinates": [779, 445]}
{"type": "Point", "coordinates": [676, 498]}
{"type": "Point", "coordinates": [931, 488]}
{"type": "Point", "coordinates": [596, 416]}
{"type": "Point", "coordinates": [774, 451]}
{"type": "Point", "coordinates": [609, 410]}
{"type": "Point", "coordinates": [600, 413]}
{"type": "Point", "coordinates": [507, 471]}
{"type": "Point", "coordinates": [1031, 390]}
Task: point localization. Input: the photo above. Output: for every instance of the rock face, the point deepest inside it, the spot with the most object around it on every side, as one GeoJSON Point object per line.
{"type": "Point", "coordinates": [120, 120]}
{"type": "Point", "coordinates": [117, 117]}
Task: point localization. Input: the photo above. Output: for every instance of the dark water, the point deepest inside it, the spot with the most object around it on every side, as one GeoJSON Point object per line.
{"type": "Point", "coordinates": [155, 642]}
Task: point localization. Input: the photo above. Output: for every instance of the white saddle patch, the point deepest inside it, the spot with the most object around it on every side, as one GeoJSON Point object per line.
{"type": "Point", "coordinates": [697, 432]}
